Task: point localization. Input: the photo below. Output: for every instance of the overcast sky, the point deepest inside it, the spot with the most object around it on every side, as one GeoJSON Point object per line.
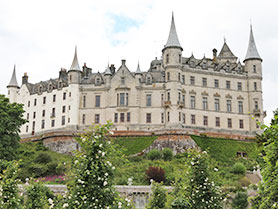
{"type": "Point", "coordinates": [40, 36]}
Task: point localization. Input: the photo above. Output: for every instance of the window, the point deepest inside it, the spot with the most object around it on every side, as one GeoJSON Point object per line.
{"type": "Point", "coordinates": [239, 86]}
{"type": "Point", "coordinates": [192, 102]}
{"type": "Point", "coordinates": [217, 121]}
{"type": "Point", "coordinates": [64, 96]}
{"type": "Point", "coordinates": [35, 102]}
{"type": "Point", "coordinates": [28, 103]}
{"type": "Point", "coordinates": [84, 101]}
{"type": "Point", "coordinates": [83, 119]}
{"type": "Point", "coordinates": [97, 118]}
{"type": "Point", "coordinates": [167, 58]}
{"type": "Point", "coordinates": [122, 99]}
{"type": "Point", "coordinates": [126, 99]}
{"type": "Point", "coordinates": [116, 117]}
{"type": "Point", "coordinates": [27, 129]}
{"type": "Point", "coordinates": [216, 83]}
{"type": "Point", "coordinates": [168, 76]}
{"type": "Point", "coordinates": [179, 96]}
{"type": "Point", "coordinates": [149, 80]}
{"type": "Point", "coordinates": [34, 115]}
{"type": "Point", "coordinates": [122, 117]}
{"type": "Point", "coordinates": [52, 123]}
{"type": "Point", "coordinates": [168, 96]}
{"type": "Point", "coordinates": [162, 117]}
{"type": "Point", "coordinates": [192, 80]}
{"type": "Point", "coordinates": [148, 118]}
{"type": "Point", "coordinates": [43, 124]}
{"type": "Point", "coordinates": [98, 82]}
{"type": "Point", "coordinates": [63, 109]}
{"type": "Point", "coordinates": [241, 123]}
{"type": "Point", "coordinates": [179, 76]}
{"type": "Point", "coordinates": [183, 79]}
{"type": "Point", "coordinates": [179, 58]}
{"type": "Point", "coordinates": [44, 100]}
{"type": "Point", "coordinates": [179, 116]}
{"type": "Point", "coordinates": [257, 125]}
{"type": "Point", "coordinates": [128, 117]}
{"type": "Point", "coordinates": [256, 105]}
{"type": "Point", "coordinates": [183, 98]}
{"type": "Point", "coordinates": [254, 69]}
{"type": "Point", "coordinates": [54, 98]}
{"type": "Point", "coordinates": [228, 84]}
{"type": "Point", "coordinates": [53, 112]}
{"type": "Point", "coordinates": [229, 106]}
{"type": "Point", "coordinates": [204, 81]}
{"type": "Point", "coordinates": [205, 103]}
{"type": "Point", "coordinates": [69, 107]}
{"type": "Point", "coordinates": [27, 116]}
{"type": "Point", "coordinates": [123, 80]}
{"type": "Point", "coordinates": [70, 94]}
{"type": "Point", "coordinates": [183, 118]}
{"type": "Point", "coordinates": [168, 116]}
{"type": "Point", "coordinates": [63, 120]}
{"type": "Point", "coordinates": [148, 100]}
{"type": "Point", "coordinates": [162, 99]}
{"type": "Point", "coordinates": [216, 104]}
{"type": "Point", "coordinates": [255, 86]}
{"type": "Point", "coordinates": [34, 126]}
{"type": "Point", "coordinates": [193, 119]}
{"type": "Point", "coordinates": [229, 122]}
{"type": "Point", "coordinates": [240, 106]}
{"type": "Point", "coordinates": [205, 120]}
{"type": "Point", "coordinates": [43, 113]}
{"type": "Point", "coordinates": [97, 101]}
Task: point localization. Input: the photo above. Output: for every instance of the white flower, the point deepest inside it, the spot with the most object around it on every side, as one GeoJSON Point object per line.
{"type": "Point", "coordinates": [100, 145]}
{"type": "Point", "coordinates": [216, 169]}
{"type": "Point", "coordinates": [65, 205]}
{"type": "Point", "coordinates": [50, 201]}
{"type": "Point", "coordinates": [83, 139]}
{"type": "Point", "coordinates": [104, 183]}
{"type": "Point", "coordinates": [113, 168]}
{"type": "Point", "coordinates": [76, 161]}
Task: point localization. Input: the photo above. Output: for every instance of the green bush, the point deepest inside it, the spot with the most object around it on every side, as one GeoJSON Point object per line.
{"type": "Point", "coordinates": [238, 168]}
{"type": "Point", "coordinates": [180, 203]}
{"type": "Point", "coordinates": [37, 170]}
{"type": "Point", "coordinates": [244, 182]}
{"type": "Point", "coordinates": [158, 198]}
{"type": "Point", "coordinates": [167, 154]}
{"type": "Point", "coordinates": [240, 201]}
{"type": "Point", "coordinates": [135, 158]}
{"type": "Point", "coordinates": [52, 168]}
{"type": "Point", "coordinates": [154, 155]}
{"type": "Point", "coordinates": [43, 158]}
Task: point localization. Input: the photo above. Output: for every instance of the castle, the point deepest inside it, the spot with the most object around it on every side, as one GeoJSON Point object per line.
{"type": "Point", "coordinates": [217, 94]}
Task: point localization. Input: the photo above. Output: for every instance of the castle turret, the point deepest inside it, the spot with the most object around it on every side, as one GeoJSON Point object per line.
{"type": "Point", "coordinates": [108, 76]}
{"type": "Point", "coordinates": [253, 66]}
{"type": "Point", "coordinates": [74, 73]}
{"type": "Point", "coordinates": [13, 88]}
{"type": "Point", "coordinates": [138, 75]}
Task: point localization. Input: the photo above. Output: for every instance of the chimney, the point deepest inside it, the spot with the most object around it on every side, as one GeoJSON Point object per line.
{"type": "Point", "coordinates": [25, 79]}
{"type": "Point", "coordinates": [123, 62]}
{"type": "Point", "coordinates": [214, 53]}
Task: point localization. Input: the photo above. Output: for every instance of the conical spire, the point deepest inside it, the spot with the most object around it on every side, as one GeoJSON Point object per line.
{"type": "Point", "coordinates": [75, 64]}
{"type": "Point", "coordinates": [173, 37]}
{"type": "Point", "coordinates": [252, 52]}
{"type": "Point", "coordinates": [138, 71]}
{"type": "Point", "coordinates": [107, 71]}
{"type": "Point", "coordinates": [13, 82]}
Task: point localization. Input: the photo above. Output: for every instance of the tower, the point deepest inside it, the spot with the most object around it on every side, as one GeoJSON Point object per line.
{"type": "Point", "coordinates": [108, 75]}
{"type": "Point", "coordinates": [138, 75]}
{"type": "Point", "coordinates": [253, 66]}
{"type": "Point", "coordinates": [13, 88]}
{"type": "Point", "coordinates": [172, 64]}
{"type": "Point", "coordinates": [74, 73]}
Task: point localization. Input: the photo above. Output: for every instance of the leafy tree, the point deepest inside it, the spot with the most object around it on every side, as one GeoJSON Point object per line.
{"type": "Point", "coordinates": [11, 115]}
{"type": "Point", "coordinates": [158, 198]}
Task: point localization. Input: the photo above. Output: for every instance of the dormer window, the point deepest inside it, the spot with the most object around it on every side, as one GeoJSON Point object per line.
{"type": "Point", "coordinates": [98, 81]}
{"type": "Point", "coordinates": [50, 87]}
{"type": "Point", "coordinates": [149, 80]}
{"type": "Point", "coordinates": [204, 64]}
{"type": "Point", "coordinates": [60, 84]}
{"type": "Point", "coordinates": [122, 80]}
{"type": "Point", "coordinates": [40, 89]}
{"type": "Point", "coordinates": [192, 63]}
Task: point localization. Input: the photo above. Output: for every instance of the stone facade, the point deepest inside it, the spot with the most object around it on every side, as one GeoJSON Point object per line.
{"type": "Point", "coordinates": [217, 95]}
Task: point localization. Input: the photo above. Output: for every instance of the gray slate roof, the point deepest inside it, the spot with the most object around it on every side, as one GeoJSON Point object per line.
{"type": "Point", "coordinates": [13, 82]}
{"type": "Point", "coordinates": [226, 52]}
{"type": "Point", "coordinates": [252, 52]}
{"type": "Point", "coordinates": [75, 64]}
{"type": "Point", "coordinates": [173, 37]}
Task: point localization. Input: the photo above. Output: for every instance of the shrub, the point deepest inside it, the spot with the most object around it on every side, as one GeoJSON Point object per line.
{"type": "Point", "coordinates": [37, 170]}
{"type": "Point", "coordinates": [238, 168]}
{"type": "Point", "coordinates": [43, 158]}
{"type": "Point", "coordinates": [180, 203]}
{"type": "Point", "coordinates": [240, 201]}
{"type": "Point", "coordinates": [135, 158]}
{"type": "Point", "coordinates": [52, 168]}
{"type": "Point", "coordinates": [167, 154]}
{"type": "Point", "coordinates": [244, 182]}
{"type": "Point", "coordinates": [154, 155]}
{"type": "Point", "coordinates": [158, 198]}
{"type": "Point", "coordinates": [156, 173]}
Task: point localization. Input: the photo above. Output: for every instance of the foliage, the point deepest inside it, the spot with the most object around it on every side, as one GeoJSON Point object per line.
{"type": "Point", "coordinates": [154, 155]}
{"type": "Point", "coordinates": [240, 201]}
{"type": "Point", "coordinates": [167, 154]}
{"type": "Point", "coordinates": [9, 192]}
{"type": "Point", "coordinates": [238, 168]}
{"type": "Point", "coordinates": [11, 115]}
{"type": "Point", "coordinates": [43, 158]}
{"type": "Point", "coordinates": [38, 196]}
{"type": "Point", "coordinates": [158, 198]}
{"type": "Point", "coordinates": [155, 173]}
{"type": "Point", "coordinates": [179, 203]}
{"type": "Point", "coordinates": [134, 145]}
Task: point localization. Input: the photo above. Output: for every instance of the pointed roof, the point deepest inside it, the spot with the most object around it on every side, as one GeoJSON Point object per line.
{"type": "Point", "coordinates": [138, 71]}
{"type": "Point", "coordinates": [226, 52]}
{"type": "Point", "coordinates": [13, 82]}
{"type": "Point", "coordinates": [75, 64]}
{"type": "Point", "coordinates": [173, 40]}
{"type": "Point", "coordinates": [107, 71]}
{"type": "Point", "coordinates": [252, 52]}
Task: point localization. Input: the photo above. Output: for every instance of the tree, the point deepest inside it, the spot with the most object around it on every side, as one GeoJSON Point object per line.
{"type": "Point", "coordinates": [11, 115]}
{"type": "Point", "coordinates": [158, 198]}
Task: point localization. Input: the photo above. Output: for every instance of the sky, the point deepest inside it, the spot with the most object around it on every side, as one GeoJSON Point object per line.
{"type": "Point", "coordinates": [39, 37]}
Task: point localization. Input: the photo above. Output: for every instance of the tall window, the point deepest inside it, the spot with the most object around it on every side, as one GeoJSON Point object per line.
{"type": "Point", "coordinates": [183, 79]}
{"type": "Point", "coordinates": [254, 69]}
{"type": "Point", "coordinates": [205, 120]}
{"type": "Point", "coordinates": [256, 105]}
{"type": "Point", "coordinates": [148, 118]}
{"type": "Point", "coordinates": [84, 101]}
{"type": "Point", "coordinates": [52, 123]}
{"type": "Point", "coordinates": [27, 116]}
{"type": "Point", "coordinates": [179, 116]}
{"type": "Point", "coordinates": [64, 109]}
{"type": "Point", "coordinates": [63, 120]}
{"type": "Point", "coordinates": [167, 58]}
{"type": "Point", "coordinates": [255, 86]}
{"type": "Point", "coordinates": [183, 118]}
{"type": "Point", "coordinates": [122, 99]}
{"type": "Point", "coordinates": [179, 76]}
{"type": "Point", "coordinates": [83, 119]}
{"type": "Point", "coordinates": [27, 129]}
{"type": "Point", "coordinates": [192, 80]}
{"type": "Point", "coordinates": [44, 100]}
{"type": "Point", "coordinates": [148, 100]}
{"type": "Point", "coordinates": [216, 104]}
{"type": "Point", "coordinates": [168, 96]}
{"type": "Point", "coordinates": [241, 123]}
{"type": "Point", "coordinates": [54, 98]}
{"type": "Point", "coordinates": [34, 126]}
{"type": "Point", "coordinates": [162, 117]}
{"type": "Point", "coordinates": [128, 117]}
{"type": "Point", "coordinates": [64, 96]}
{"type": "Point", "coordinates": [35, 102]}
{"type": "Point", "coordinates": [217, 121]}
{"type": "Point", "coordinates": [53, 112]}
{"type": "Point", "coordinates": [229, 106]}
{"type": "Point", "coordinates": [116, 117]}
{"type": "Point", "coordinates": [239, 86]}
{"type": "Point", "coordinates": [193, 119]}
{"type": "Point", "coordinates": [122, 80]}
{"type": "Point", "coordinates": [43, 124]}
{"type": "Point", "coordinates": [162, 99]}
{"type": "Point", "coordinates": [228, 84]}
{"type": "Point", "coordinates": [192, 102]}
{"type": "Point", "coordinates": [122, 117]}
{"type": "Point", "coordinates": [205, 103]}
{"type": "Point", "coordinates": [179, 58]}
{"type": "Point", "coordinates": [168, 76]}
{"type": "Point", "coordinates": [97, 118]}
{"type": "Point", "coordinates": [168, 116]}
{"type": "Point", "coordinates": [28, 103]}
{"type": "Point", "coordinates": [34, 115]}
{"type": "Point", "coordinates": [216, 83]}
{"type": "Point", "coordinates": [204, 81]}
{"type": "Point", "coordinates": [179, 96]}
{"type": "Point", "coordinates": [43, 113]}
{"type": "Point", "coordinates": [240, 106]}
{"type": "Point", "coordinates": [183, 98]}
{"type": "Point", "coordinates": [97, 100]}
{"type": "Point", "coordinates": [229, 122]}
